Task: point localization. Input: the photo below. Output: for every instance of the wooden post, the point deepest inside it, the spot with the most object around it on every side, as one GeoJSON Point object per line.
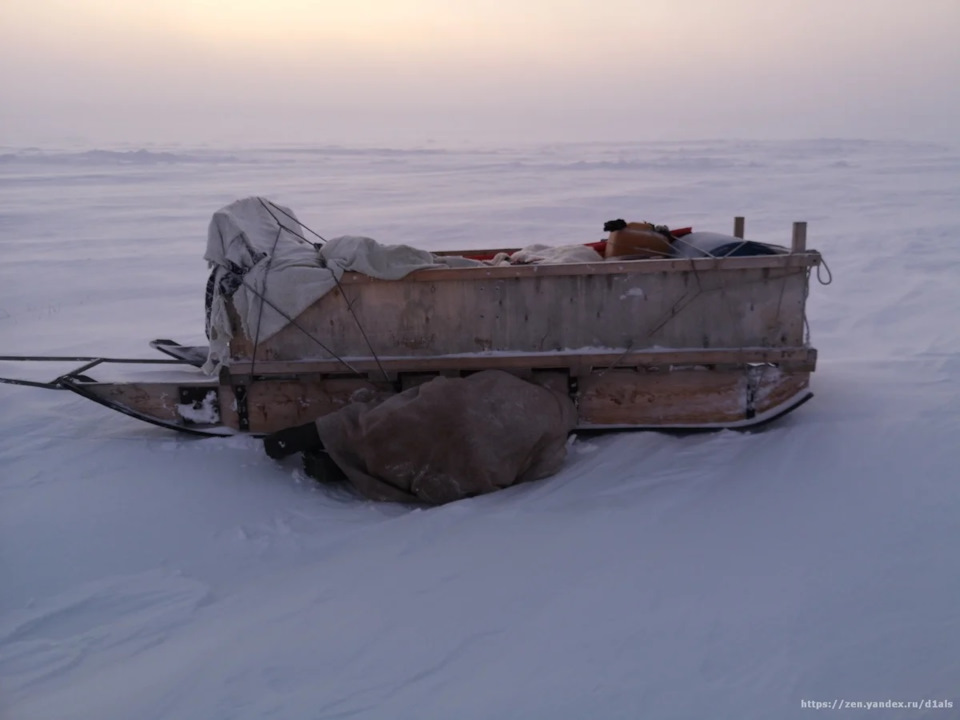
{"type": "Point", "coordinates": [799, 242]}
{"type": "Point", "coordinates": [738, 224]}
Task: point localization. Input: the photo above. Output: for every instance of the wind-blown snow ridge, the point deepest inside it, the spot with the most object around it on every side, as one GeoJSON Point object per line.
{"type": "Point", "coordinates": [110, 157]}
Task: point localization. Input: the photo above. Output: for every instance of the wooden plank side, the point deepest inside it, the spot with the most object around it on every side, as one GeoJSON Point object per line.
{"type": "Point", "coordinates": [620, 397]}
{"type": "Point", "coordinates": [276, 404]}
{"type": "Point", "coordinates": [695, 397]}
{"type": "Point", "coordinates": [798, 243]}
{"type": "Point", "coordinates": [691, 397]}
{"type": "Point", "coordinates": [740, 308]}
{"type": "Point", "coordinates": [775, 386]}
{"type": "Point", "coordinates": [799, 358]}
{"type": "Point", "coordinates": [157, 400]}
{"type": "Point", "coordinates": [806, 259]}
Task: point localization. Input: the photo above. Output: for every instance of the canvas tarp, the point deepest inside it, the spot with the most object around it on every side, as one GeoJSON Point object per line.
{"type": "Point", "coordinates": [450, 438]}
{"type": "Point", "coordinates": [261, 251]}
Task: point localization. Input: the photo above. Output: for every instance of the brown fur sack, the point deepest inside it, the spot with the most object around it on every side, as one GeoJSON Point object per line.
{"type": "Point", "coordinates": [450, 438]}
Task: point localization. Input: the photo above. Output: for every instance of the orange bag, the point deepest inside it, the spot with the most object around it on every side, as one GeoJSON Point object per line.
{"type": "Point", "coordinates": [638, 240]}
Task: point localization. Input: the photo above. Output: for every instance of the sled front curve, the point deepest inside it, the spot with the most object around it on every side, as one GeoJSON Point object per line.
{"type": "Point", "coordinates": [157, 404]}
{"type": "Point", "coordinates": [149, 401]}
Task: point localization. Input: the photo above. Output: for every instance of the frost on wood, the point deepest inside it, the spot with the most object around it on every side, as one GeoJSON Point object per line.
{"type": "Point", "coordinates": [202, 412]}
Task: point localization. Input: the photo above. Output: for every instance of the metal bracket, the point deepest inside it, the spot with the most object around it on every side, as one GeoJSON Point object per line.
{"type": "Point", "coordinates": [243, 413]}
{"type": "Point", "coordinates": [754, 376]}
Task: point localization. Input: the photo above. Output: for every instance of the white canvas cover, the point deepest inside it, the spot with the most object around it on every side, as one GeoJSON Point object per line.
{"type": "Point", "coordinates": [261, 248]}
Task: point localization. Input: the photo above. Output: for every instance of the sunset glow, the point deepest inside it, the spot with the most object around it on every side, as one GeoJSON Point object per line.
{"type": "Point", "coordinates": [492, 68]}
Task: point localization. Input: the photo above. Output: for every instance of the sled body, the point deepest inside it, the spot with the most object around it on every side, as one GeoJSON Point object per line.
{"type": "Point", "coordinates": [675, 343]}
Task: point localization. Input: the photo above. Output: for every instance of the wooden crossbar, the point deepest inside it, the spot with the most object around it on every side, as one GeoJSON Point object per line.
{"type": "Point", "coordinates": [799, 358]}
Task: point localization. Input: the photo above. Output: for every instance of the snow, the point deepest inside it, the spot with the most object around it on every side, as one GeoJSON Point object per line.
{"type": "Point", "coordinates": [727, 574]}
{"type": "Point", "coordinates": [205, 412]}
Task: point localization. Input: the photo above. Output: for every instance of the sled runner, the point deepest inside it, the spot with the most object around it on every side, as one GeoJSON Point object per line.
{"type": "Point", "coordinates": [694, 340]}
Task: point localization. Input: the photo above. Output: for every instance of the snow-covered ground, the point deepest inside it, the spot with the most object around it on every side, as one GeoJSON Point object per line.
{"type": "Point", "coordinates": [726, 575]}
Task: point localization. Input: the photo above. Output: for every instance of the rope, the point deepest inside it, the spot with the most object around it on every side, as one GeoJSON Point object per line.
{"type": "Point", "coordinates": [755, 374]}
{"type": "Point", "coordinates": [263, 297]}
{"type": "Point", "coordinates": [323, 264]}
{"type": "Point", "coordinates": [678, 307]}
{"type": "Point", "coordinates": [299, 222]}
{"type": "Point", "coordinates": [826, 267]}
{"type": "Point", "coordinates": [302, 329]}
{"type": "Point", "coordinates": [285, 227]}
{"type": "Point", "coordinates": [356, 319]}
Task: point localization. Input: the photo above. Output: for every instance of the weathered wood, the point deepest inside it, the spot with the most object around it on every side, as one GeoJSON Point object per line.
{"type": "Point", "coordinates": [688, 397]}
{"type": "Point", "coordinates": [683, 398]}
{"type": "Point", "coordinates": [156, 400]}
{"type": "Point", "coordinates": [276, 404]}
{"type": "Point", "coordinates": [797, 357]}
{"type": "Point", "coordinates": [738, 226]}
{"type": "Point", "coordinates": [629, 397]}
{"type": "Point", "coordinates": [798, 244]}
{"type": "Point", "coordinates": [745, 307]}
{"type": "Point", "coordinates": [774, 386]}
{"type": "Point", "coordinates": [608, 267]}
{"type": "Point", "coordinates": [649, 343]}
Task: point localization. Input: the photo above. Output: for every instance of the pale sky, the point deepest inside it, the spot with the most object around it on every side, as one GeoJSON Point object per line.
{"type": "Point", "coordinates": [408, 71]}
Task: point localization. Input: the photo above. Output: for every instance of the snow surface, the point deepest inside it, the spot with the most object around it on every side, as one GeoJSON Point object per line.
{"type": "Point", "coordinates": [720, 575]}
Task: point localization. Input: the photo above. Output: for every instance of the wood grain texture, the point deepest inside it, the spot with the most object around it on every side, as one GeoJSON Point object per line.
{"type": "Point", "coordinates": [578, 363]}
{"type": "Point", "coordinates": [276, 404]}
{"type": "Point", "coordinates": [798, 242]}
{"type": "Point", "coordinates": [692, 397]}
{"type": "Point", "coordinates": [656, 343]}
{"type": "Point", "coordinates": [687, 396]}
{"type": "Point", "coordinates": [739, 307]}
{"type": "Point", "coordinates": [809, 258]}
{"type": "Point", "coordinates": [157, 400]}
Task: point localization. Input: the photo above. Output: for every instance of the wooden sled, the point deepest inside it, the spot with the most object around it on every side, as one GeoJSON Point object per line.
{"type": "Point", "coordinates": [664, 344]}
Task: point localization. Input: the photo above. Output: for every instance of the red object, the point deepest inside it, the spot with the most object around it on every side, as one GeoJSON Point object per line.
{"type": "Point", "coordinates": [600, 247]}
